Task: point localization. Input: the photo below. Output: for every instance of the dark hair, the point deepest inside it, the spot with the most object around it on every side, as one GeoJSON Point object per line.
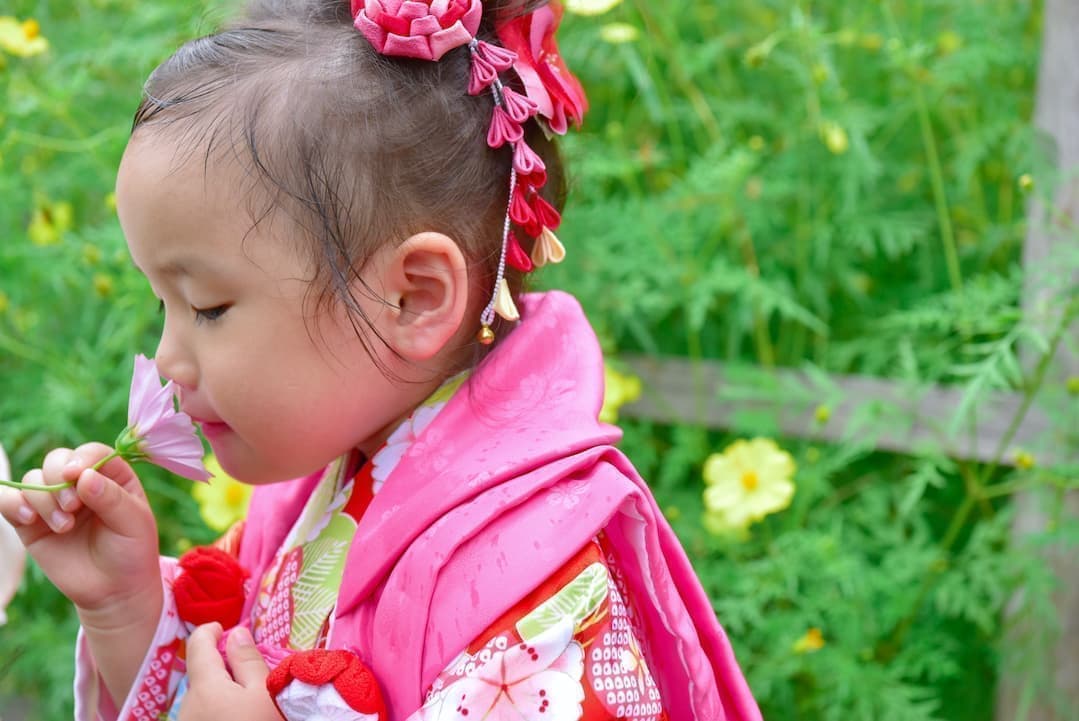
{"type": "Point", "coordinates": [359, 149]}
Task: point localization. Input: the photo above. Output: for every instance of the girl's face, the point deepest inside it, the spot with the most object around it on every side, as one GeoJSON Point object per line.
{"type": "Point", "coordinates": [277, 392]}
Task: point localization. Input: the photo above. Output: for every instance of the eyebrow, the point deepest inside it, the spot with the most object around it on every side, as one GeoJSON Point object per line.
{"type": "Point", "coordinates": [176, 267]}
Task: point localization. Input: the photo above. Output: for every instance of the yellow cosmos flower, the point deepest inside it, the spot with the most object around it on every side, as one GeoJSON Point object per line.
{"type": "Point", "coordinates": [1024, 460]}
{"type": "Point", "coordinates": [618, 33]}
{"type": "Point", "coordinates": [49, 222]}
{"type": "Point", "coordinates": [835, 138]}
{"type": "Point", "coordinates": [746, 482]}
{"type": "Point", "coordinates": [91, 254]}
{"type": "Point", "coordinates": [590, 7]}
{"type": "Point", "coordinates": [813, 640]}
{"type": "Point", "coordinates": [103, 285]}
{"type": "Point", "coordinates": [22, 39]}
{"type": "Point", "coordinates": [948, 42]}
{"type": "Point", "coordinates": [618, 389]}
{"type": "Point", "coordinates": [222, 500]}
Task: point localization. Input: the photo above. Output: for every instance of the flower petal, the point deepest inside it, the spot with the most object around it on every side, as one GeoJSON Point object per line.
{"type": "Point", "coordinates": [171, 443]}
{"type": "Point", "coordinates": [145, 385]}
{"type": "Point", "coordinates": [531, 657]}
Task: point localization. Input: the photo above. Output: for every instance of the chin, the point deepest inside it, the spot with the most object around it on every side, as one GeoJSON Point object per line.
{"type": "Point", "coordinates": [263, 473]}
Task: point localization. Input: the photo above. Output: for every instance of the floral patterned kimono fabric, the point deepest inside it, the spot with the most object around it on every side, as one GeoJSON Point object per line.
{"type": "Point", "coordinates": [496, 559]}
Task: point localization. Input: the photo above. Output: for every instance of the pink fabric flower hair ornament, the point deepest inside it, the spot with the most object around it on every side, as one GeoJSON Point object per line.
{"type": "Point", "coordinates": [156, 432]}
{"type": "Point", "coordinates": [428, 29]}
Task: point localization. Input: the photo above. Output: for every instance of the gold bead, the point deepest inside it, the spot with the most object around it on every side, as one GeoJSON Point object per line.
{"type": "Point", "coordinates": [486, 336]}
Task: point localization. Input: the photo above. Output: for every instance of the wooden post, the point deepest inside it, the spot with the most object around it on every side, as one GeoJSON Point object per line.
{"type": "Point", "coordinates": [1057, 116]}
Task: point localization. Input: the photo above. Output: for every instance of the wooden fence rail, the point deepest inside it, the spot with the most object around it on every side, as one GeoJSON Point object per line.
{"type": "Point", "coordinates": [907, 418]}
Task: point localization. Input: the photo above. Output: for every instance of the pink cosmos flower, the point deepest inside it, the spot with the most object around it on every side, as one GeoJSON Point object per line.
{"type": "Point", "coordinates": [424, 29]}
{"type": "Point", "coordinates": [156, 431]}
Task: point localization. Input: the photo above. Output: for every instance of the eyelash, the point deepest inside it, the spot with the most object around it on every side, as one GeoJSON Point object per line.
{"type": "Point", "coordinates": [209, 314]}
{"type": "Point", "coordinates": [201, 314]}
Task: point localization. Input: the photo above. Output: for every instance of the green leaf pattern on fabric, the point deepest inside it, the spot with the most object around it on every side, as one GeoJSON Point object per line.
{"type": "Point", "coordinates": [577, 600]}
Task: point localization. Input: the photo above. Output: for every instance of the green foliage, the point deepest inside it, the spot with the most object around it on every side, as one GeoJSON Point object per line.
{"type": "Point", "coordinates": [831, 186]}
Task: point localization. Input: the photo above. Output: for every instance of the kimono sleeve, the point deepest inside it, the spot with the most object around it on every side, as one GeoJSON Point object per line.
{"type": "Point", "coordinates": [573, 648]}
{"type": "Point", "coordinates": [159, 673]}
{"type": "Point", "coordinates": [163, 668]}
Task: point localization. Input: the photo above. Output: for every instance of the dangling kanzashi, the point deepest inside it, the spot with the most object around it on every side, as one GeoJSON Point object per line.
{"type": "Point", "coordinates": [428, 29]}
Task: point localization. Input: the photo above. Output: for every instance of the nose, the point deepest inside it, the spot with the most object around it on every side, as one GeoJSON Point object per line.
{"type": "Point", "coordinates": [174, 359]}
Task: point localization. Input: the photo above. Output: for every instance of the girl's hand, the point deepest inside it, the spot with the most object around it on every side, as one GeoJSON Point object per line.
{"type": "Point", "coordinates": [212, 692]}
{"type": "Point", "coordinates": [97, 541]}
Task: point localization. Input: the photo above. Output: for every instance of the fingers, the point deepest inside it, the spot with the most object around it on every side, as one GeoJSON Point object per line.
{"type": "Point", "coordinates": [204, 662]}
{"type": "Point", "coordinates": [248, 667]}
{"type": "Point", "coordinates": [124, 512]}
{"type": "Point", "coordinates": [114, 494]}
{"type": "Point", "coordinates": [18, 512]}
{"type": "Point", "coordinates": [54, 509]}
{"type": "Point", "coordinates": [89, 454]}
{"type": "Point", "coordinates": [45, 504]}
{"type": "Point", "coordinates": [63, 464]}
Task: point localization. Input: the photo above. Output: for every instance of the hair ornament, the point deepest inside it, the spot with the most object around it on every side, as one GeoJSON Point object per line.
{"type": "Point", "coordinates": [504, 305]}
{"type": "Point", "coordinates": [503, 129]}
{"type": "Point", "coordinates": [529, 164]}
{"type": "Point", "coordinates": [428, 29]}
{"type": "Point", "coordinates": [546, 214]}
{"type": "Point", "coordinates": [417, 29]}
{"type": "Point", "coordinates": [547, 81]}
{"type": "Point", "coordinates": [517, 106]}
{"type": "Point", "coordinates": [522, 213]}
{"type": "Point", "coordinates": [548, 249]}
{"type": "Point", "coordinates": [516, 256]}
{"type": "Point", "coordinates": [487, 62]}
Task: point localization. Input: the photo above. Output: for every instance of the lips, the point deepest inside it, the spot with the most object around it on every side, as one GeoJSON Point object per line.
{"type": "Point", "coordinates": [206, 425]}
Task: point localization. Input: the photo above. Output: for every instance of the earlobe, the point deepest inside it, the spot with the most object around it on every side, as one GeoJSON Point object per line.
{"type": "Point", "coordinates": [427, 278]}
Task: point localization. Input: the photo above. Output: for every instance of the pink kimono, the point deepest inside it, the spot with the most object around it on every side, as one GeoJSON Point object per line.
{"type": "Point", "coordinates": [471, 515]}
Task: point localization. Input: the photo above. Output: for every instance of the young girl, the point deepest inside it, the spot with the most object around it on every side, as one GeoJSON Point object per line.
{"type": "Point", "coordinates": [336, 205]}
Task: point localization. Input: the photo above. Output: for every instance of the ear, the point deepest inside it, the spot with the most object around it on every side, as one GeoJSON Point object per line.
{"type": "Point", "coordinates": [426, 280]}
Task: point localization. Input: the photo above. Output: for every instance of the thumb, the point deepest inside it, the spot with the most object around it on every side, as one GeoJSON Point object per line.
{"type": "Point", "coordinates": [245, 660]}
{"type": "Point", "coordinates": [122, 509]}
{"type": "Point", "coordinates": [203, 660]}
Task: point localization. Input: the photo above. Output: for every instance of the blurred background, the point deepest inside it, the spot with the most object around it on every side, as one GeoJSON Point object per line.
{"type": "Point", "coordinates": [828, 246]}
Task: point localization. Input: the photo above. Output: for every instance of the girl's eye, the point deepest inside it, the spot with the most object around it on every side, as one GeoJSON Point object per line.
{"type": "Point", "coordinates": [209, 314]}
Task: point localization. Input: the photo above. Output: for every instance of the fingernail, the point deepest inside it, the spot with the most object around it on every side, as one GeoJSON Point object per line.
{"type": "Point", "coordinates": [59, 520]}
{"type": "Point", "coordinates": [242, 636]}
{"type": "Point", "coordinates": [68, 498]}
{"type": "Point", "coordinates": [75, 462]}
{"type": "Point", "coordinates": [94, 483]}
{"type": "Point", "coordinates": [25, 514]}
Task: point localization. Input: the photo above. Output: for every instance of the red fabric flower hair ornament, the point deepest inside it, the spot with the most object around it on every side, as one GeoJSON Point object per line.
{"type": "Point", "coordinates": [428, 29]}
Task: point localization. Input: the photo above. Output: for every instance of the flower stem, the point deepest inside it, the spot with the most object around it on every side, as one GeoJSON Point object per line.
{"type": "Point", "coordinates": [97, 466]}
{"type": "Point", "coordinates": [59, 486]}
{"type": "Point", "coordinates": [34, 486]}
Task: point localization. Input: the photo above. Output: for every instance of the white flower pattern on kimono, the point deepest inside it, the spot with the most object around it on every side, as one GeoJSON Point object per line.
{"type": "Point", "coordinates": [383, 462]}
{"type": "Point", "coordinates": [339, 500]}
{"type": "Point", "coordinates": [538, 680]}
{"type": "Point", "coordinates": [301, 701]}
